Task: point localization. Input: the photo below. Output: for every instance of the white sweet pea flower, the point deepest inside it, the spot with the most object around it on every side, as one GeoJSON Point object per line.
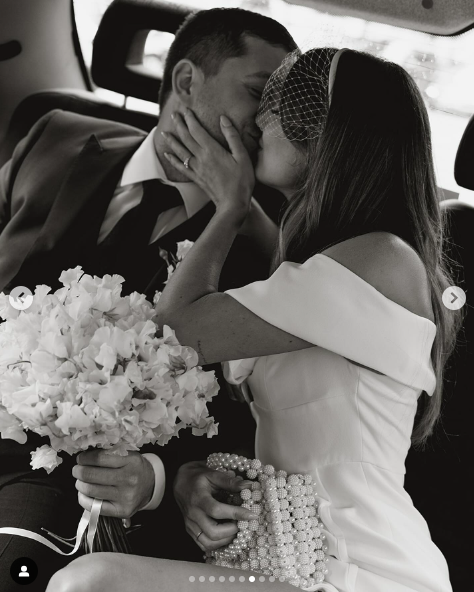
{"type": "Point", "coordinates": [169, 336]}
{"type": "Point", "coordinates": [71, 416]}
{"type": "Point", "coordinates": [44, 361]}
{"type": "Point", "coordinates": [106, 357]}
{"type": "Point", "coordinates": [56, 344]}
{"type": "Point", "coordinates": [45, 458]}
{"type": "Point", "coordinates": [188, 381]}
{"type": "Point", "coordinates": [15, 400]}
{"type": "Point", "coordinates": [10, 427]}
{"type": "Point", "coordinates": [41, 292]}
{"type": "Point", "coordinates": [183, 248]}
{"type": "Point", "coordinates": [67, 278]}
{"type": "Point", "coordinates": [113, 394]}
{"type": "Point", "coordinates": [207, 384]}
{"type": "Point", "coordinates": [187, 355]}
{"type": "Point", "coordinates": [10, 352]}
{"type": "Point", "coordinates": [121, 449]}
{"type": "Point", "coordinates": [121, 309]}
{"type": "Point", "coordinates": [112, 282]}
{"type": "Point", "coordinates": [104, 300]}
{"type": "Point", "coordinates": [140, 306]}
{"type": "Point", "coordinates": [134, 375]}
{"type": "Point", "coordinates": [80, 305]}
{"type": "Point", "coordinates": [156, 298]}
{"type": "Point", "coordinates": [67, 369]}
{"type": "Point", "coordinates": [7, 311]}
{"type": "Point", "coordinates": [121, 342]}
{"type": "Point", "coordinates": [191, 409]}
{"type": "Point", "coordinates": [154, 412]}
{"type": "Point", "coordinates": [34, 416]}
{"type": "Point", "coordinates": [206, 426]}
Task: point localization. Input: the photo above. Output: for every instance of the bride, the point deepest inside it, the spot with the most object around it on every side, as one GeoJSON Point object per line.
{"type": "Point", "coordinates": [345, 342]}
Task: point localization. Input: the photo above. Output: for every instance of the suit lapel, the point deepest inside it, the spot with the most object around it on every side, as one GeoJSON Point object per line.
{"type": "Point", "coordinates": [77, 211]}
{"type": "Point", "coordinates": [190, 229]}
{"type": "Point", "coordinates": [93, 175]}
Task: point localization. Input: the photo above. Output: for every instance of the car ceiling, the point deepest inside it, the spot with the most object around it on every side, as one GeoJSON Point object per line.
{"type": "Point", "coordinates": [439, 17]}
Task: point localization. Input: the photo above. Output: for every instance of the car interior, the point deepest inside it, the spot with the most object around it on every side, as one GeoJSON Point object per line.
{"type": "Point", "coordinates": [42, 68]}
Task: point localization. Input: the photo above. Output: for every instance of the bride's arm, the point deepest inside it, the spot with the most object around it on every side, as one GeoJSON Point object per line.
{"type": "Point", "coordinates": [217, 326]}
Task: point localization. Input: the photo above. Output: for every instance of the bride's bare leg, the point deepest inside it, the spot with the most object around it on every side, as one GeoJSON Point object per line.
{"type": "Point", "coordinates": [114, 572]}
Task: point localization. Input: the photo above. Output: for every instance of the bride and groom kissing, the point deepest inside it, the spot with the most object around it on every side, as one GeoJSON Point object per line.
{"type": "Point", "coordinates": [331, 324]}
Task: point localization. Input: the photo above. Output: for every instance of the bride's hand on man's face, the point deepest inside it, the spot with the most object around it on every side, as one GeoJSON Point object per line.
{"type": "Point", "coordinates": [227, 176]}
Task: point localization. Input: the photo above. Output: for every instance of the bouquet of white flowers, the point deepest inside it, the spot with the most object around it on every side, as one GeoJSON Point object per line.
{"type": "Point", "coordinates": [83, 366]}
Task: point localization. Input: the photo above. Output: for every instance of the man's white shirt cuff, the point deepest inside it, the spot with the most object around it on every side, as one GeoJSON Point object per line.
{"type": "Point", "coordinates": [160, 481]}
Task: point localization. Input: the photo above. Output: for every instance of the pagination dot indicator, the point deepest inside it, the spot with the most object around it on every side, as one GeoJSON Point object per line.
{"type": "Point", "coordinates": [231, 578]}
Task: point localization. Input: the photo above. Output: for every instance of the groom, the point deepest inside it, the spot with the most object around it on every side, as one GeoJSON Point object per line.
{"type": "Point", "coordinates": [96, 193]}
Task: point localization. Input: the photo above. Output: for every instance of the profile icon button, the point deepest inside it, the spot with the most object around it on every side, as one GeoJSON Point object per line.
{"type": "Point", "coordinates": [454, 298]}
{"type": "Point", "coordinates": [24, 570]}
{"type": "Point", "coordinates": [21, 298]}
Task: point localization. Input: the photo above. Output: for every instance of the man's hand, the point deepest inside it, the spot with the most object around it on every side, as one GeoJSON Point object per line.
{"type": "Point", "coordinates": [194, 489]}
{"type": "Point", "coordinates": [125, 483]}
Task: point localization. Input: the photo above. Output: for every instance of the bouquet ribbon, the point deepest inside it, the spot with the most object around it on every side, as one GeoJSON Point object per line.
{"type": "Point", "coordinates": [87, 522]}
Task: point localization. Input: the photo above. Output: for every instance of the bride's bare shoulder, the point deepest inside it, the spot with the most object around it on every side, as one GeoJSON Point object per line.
{"type": "Point", "coordinates": [390, 265]}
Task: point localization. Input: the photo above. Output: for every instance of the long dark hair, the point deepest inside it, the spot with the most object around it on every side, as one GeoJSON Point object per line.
{"type": "Point", "coordinates": [371, 170]}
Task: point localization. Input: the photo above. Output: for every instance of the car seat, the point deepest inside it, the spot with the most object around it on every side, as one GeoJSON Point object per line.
{"type": "Point", "coordinates": [119, 42]}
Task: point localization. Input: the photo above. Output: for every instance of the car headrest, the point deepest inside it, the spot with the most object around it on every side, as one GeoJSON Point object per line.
{"type": "Point", "coordinates": [34, 106]}
{"type": "Point", "coordinates": [460, 243]}
{"type": "Point", "coordinates": [464, 164]}
{"type": "Point", "coordinates": [117, 60]}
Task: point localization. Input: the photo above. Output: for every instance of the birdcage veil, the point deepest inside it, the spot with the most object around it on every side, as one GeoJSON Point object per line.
{"type": "Point", "coordinates": [296, 99]}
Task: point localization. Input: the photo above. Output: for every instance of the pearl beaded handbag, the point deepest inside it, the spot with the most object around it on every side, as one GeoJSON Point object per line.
{"type": "Point", "coordinates": [285, 541]}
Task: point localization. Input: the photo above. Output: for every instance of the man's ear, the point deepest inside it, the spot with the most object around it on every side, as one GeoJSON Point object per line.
{"type": "Point", "coordinates": [187, 80]}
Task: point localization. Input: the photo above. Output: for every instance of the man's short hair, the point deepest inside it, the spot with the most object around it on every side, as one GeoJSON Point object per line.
{"type": "Point", "coordinates": [209, 37]}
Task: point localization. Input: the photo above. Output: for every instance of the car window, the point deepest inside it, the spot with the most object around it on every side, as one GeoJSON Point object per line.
{"type": "Point", "coordinates": [443, 67]}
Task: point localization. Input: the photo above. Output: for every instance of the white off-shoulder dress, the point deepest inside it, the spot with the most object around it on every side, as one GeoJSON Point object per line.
{"type": "Point", "coordinates": [348, 426]}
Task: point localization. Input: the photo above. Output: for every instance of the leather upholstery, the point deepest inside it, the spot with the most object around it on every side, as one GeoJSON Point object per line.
{"type": "Point", "coordinates": [464, 164]}
{"type": "Point", "coordinates": [120, 42]}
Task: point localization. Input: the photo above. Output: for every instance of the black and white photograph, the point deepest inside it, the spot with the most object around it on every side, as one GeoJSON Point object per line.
{"type": "Point", "coordinates": [236, 257]}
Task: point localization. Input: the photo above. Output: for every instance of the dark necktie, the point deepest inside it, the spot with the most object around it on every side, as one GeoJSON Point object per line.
{"type": "Point", "coordinates": [132, 233]}
{"type": "Point", "coordinates": [141, 220]}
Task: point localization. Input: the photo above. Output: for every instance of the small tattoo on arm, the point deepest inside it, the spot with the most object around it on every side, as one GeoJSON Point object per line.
{"type": "Point", "coordinates": [200, 352]}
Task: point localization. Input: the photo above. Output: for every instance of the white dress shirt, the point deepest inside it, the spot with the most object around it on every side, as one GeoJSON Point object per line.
{"type": "Point", "coordinates": [143, 165]}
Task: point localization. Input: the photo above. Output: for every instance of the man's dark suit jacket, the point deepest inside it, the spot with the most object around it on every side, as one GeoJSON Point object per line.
{"type": "Point", "coordinates": [54, 194]}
